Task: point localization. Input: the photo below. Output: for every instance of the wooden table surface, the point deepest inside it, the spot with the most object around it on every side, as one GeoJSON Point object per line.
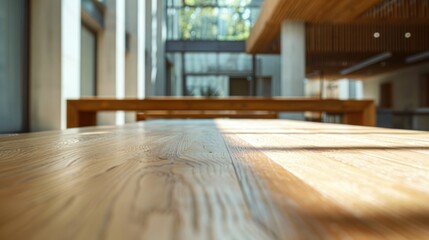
{"type": "Point", "coordinates": [215, 179]}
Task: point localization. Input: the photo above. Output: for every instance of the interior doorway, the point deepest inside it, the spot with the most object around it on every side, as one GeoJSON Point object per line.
{"type": "Point", "coordinates": [386, 95]}
{"type": "Point", "coordinates": [424, 91]}
{"type": "Point", "coordinates": [239, 86]}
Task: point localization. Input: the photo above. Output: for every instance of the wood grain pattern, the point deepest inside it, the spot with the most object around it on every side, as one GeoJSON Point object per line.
{"type": "Point", "coordinates": [215, 179]}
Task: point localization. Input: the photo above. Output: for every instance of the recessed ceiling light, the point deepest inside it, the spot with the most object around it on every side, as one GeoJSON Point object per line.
{"type": "Point", "coordinates": [407, 35]}
{"type": "Point", "coordinates": [376, 35]}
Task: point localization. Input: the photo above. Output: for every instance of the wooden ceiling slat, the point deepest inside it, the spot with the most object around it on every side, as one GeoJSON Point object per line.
{"type": "Point", "coordinates": [356, 37]}
{"type": "Point", "coordinates": [333, 47]}
{"type": "Point", "coordinates": [273, 12]}
{"type": "Point", "coordinates": [336, 10]}
{"type": "Point", "coordinates": [332, 11]}
{"type": "Point", "coordinates": [340, 34]}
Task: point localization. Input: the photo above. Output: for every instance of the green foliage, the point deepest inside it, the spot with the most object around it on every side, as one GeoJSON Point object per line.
{"type": "Point", "coordinates": [201, 19]}
{"type": "Point", "coordinates": [199, 2]}
{"type": "Point", "coordinates": [189, 92]}
{"type": "Point", "coordinates": [209, 92]}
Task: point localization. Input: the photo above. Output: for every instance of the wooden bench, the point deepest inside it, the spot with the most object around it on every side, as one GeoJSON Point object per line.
{"type": "Point", "coordinates": [82, 112]}
{"type": "Point", "coordinates": [145, 115]}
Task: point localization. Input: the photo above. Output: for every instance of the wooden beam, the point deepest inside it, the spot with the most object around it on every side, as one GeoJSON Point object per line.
{"type": "Point", "coordinates": [81, 112]}
{"type": "Point", "coordinates": [144, 115]}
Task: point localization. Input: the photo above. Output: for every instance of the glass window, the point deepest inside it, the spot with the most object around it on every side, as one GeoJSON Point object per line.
{"type": "Point", "coordinates": [174, 3]}
{"type": "Point", "coordinates": [218, 63]}
{"type": "Point", "coordinates": [174, 25]}
{"type": "Point", "coordinates": [200, 2]}
{"type": "Point", "coordinates": [234, 23]}
{"type": "Point", "coordinates": [234, 3]}
{"type": "Point", "coordinates": [201, 63]}
{"type": "Point", "coordinates": [198, 23]}
{"type": "Point", "coordinates": [235, 63]}
{"type": "Point", "coordinates": [207, 86]}
{"type": "Point", "coordinates": [223, 74]}
{"type": "Point", "coordinates": [211, 19]}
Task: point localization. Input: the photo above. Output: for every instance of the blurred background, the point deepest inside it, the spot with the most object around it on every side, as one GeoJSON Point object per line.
{"type": "Point", "coordinates": [53, 50]}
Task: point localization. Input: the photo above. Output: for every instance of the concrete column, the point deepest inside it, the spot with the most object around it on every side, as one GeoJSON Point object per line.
{"type": "Point", "coordinates": [292, 61]}
{"type": "Point", "coordinates": [157, 48]}
{"type": "Point", "coordinates": [293, 58]}
{"type": "Point", "coordinates": [134, 60]}
{"type": "Point", "coordinates": [178, 75]}
{"type": "Point", "coordinates": [161, 34]}
{"type": "Point", "coordinates": [54, 61]}
{"type": "Point", "coordinates": [111, 71]}
{"type": "Point", "coordinates": [148, 48]}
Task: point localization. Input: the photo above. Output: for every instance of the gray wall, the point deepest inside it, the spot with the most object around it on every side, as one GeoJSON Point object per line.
{"type": "Point", "coordinates": [269, 66]}
{"type": "Point", "coordinates": [406, 95]}
{"type": "Point", "coordinates": [88, 63]}
{"type": "Point", "coordinates": [13, 96]}
{"type": "Point", "coordinates": [405, 86]}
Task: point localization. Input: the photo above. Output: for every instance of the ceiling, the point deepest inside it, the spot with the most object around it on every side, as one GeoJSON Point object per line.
{"type": "Point", "coordinates": [341, 34]}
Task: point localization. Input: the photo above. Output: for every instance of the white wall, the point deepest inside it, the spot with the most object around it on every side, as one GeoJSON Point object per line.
{"type": "Point", "coordinates": [70, 47]}
{"type": "Point", "coordinates": [134, 61]}
{"type": "Point", "coordinates": [55, 61]}
{"type": "Point", "coordinates": [269, 65]}
{"type": "Point", "coordinates": [56, 58]}
{"type": "Point", "coordinates": [111, 71]}
{"type": "Point", "coordinates": [339, 89]}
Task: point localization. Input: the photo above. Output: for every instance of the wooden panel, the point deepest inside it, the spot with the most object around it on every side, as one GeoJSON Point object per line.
{"type": "Point", "coordinates": [364, 16]}
{"type": "Point", "coordinates": [359, 38]}
{"type": "Point", "coordinates": [331, 48]}
{"type": "Point", "coordinates": [77, 107]}
{"type": "Point", "coordinates": [273, 12]}
{"type": "Point", "coordinates": [223, 179]}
